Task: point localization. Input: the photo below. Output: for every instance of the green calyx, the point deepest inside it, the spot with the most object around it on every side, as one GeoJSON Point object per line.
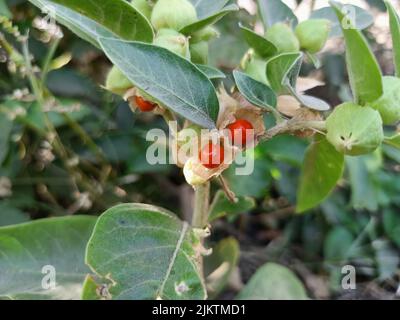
{"type": "Point", "coordinates": [173, 14]}
{"type": "Point", "coordinates": [173, 41]}
{"type": "Point", "coordinates": [117, 82]}
{"type": "Point", "coordinates": [388, 104]}
{"type": "Point", "coordinates": [313, 34]}
{"type": "Point", "coordinates": [205, 34]}
{"type": "Point", "coordinates": [354, 130]}
{"type": "Point", "coordinates": [199, 52]}
{"type": "Point", "coordinates": [255, 67]}
{"type": "Point", "coordinates": [143, 6]}
{"type": "Point", "coordinates": [283, 37]}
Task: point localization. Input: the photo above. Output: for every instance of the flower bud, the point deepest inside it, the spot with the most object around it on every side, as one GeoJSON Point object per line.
{"type": "Point", "coordinates": [313, 34]}
{"type": "Point", "coordinates": [388, 104]}
{"type": "Point", "coordinates": [354, 130]}
{"type": "Point", "coordinates": [143, 6]}
{"type": "Point", "coordinates": [283, 37]}
{"type": "Point", "coordinates": [117, 82]}
{"type": "Point", "coordinates": [173, 41]}
{"type": "Point", "coordinates": [173, 14]}
{"type": "Point", "coordinates": [199, 52]}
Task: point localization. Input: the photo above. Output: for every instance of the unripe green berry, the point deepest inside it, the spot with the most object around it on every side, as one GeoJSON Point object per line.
{"type": "Point", "coordinates": [313, 34]}
{"type": "Point", "coordinates": [117, 82]}
{"type": "Point", "coordinates": [388, 104]}
{"type": "Point", "coordinates": [283, 37]}
{"type": "Point", "coordinates": [143, 6]}
{"type": "Point", "coordinates": [354, 130]}
{"type": "Point", "coordinates": [173, 41]}
{"type": "Point", "coordinates": [205, 34]}
{"type": "Point", "coordinates": [173, 14]}
{"type": "Point", "coordinates": [199, 52]}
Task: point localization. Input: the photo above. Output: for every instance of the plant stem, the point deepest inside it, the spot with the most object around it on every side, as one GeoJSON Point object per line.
{"type": "Point", "coordinates": [48, 59]}
{"type": "Point", "coordinates": [201, 205]}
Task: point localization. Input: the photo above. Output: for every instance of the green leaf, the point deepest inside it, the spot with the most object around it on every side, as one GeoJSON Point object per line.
{"type": "Point", "coordinates": [395, 30]}
{"type": "Point", "coordinates": [90, 20]}
{"type": "Point", "coordinates": [363, 19]}
{"type": "Point", "coordinates": [4, 11]}
{"type": "Point", "coordinates": [274, 11]}
{"type": "Point", "coordinates": [322, 169]}
{"type": "Point", "coordinates": [254, 91]}
{"type": "Point", "coordinates": [307, 101]}
{"type": "Point", "coordinates": [393, 141]}
{"type": "Point", "coordinates": [273, 282]}
{"type": "Point", "coordinates": [206, 8]}
{"type": "Point", "coordinates": [364, 72]}
{"type": "Point", "coordinates": [144, 252]}
{"type": "Point", "coordinates": [337, 245]}
{"type": "Point", "coordinates": [391, 224]}
{"type": "Point", "coordinates": [168, 78]}
{"type": "Point", "coordinates": [210, 72]}
{"type": "Point", "coordinates": [222, 206]}
{"type": "Point", "coordinates": [364, 192]}
{"type": "Point", "coordinates": [201, 24]}
{"type": "Point", "coordinates": [263, 47]}
{"type": "Point", "coordinates": [282, 68]}
{"type": "Point", "coordinates": [26, 248]}
{"type": "Point", "coordinates": [10, 215]}
{"type": "Point", "coordinates": [220, 265]}
{"type": "Point", "coordinates": [6, 126]}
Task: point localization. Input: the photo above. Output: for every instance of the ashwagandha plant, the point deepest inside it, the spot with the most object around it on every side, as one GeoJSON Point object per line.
{"type": "Point", "coordinates": [159, 50]}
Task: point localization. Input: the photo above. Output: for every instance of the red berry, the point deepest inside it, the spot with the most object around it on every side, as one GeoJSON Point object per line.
{"type": "Point", "coordinates": [144, 105]}
{"type": "Point", "coordinates": [240, 131]}
{"type": "Point", "coordinates": [212, 155]}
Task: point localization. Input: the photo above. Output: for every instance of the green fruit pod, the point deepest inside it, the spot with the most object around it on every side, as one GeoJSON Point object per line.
{"type": "Point", "coordinates": [283, 37]}
{"type": "Point", "coordinates": [173, 41]}
{"type": "Point", "coordinates": [143, 6]}
{"type": "Point", "coordinates": [117, 82]}
{"type": "Point", "coordinates": [388, 104]}
{"type": "Point", "coordinates": [173, 14]}
{"type": "Point", "coordinates": [255, 67]}
{"type": "Point", "coordinates": [205, 34]}
{"type": "Point", "coordinates": [354, 130]}
{"type": "Point", "coordinates": [199, 52]}
{"type": "Point", "coordinates": [313, 34]}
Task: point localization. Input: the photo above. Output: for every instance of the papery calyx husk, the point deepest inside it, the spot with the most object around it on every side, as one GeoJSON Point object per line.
{"type": "Point", "coordinates": [173, 41]}
{"type": "Point", "coordinates": [388, 104]}
{"type": "Point", "coordinates": [173, 14]}
{"type": "Point", "coordinates": [313, 34]}
{"type": "Point", "coordinates": [117, 82]}
{"type": "Point", "coordinates": [205, 34]}
{"type": "Point", "coordinates": [354, 130]}
{"type": "Point", "coordinates": [283, 37]}
{"type": "Point", "coordinates": [143, 6]}
{"type": "Point", "coordinates": [199, 52]}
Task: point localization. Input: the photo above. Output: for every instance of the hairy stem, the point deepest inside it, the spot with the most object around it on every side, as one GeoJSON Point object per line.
{"type": "Point", "coordinates": [201, 205]}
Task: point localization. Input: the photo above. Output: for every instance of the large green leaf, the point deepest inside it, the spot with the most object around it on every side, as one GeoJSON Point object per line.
{"type": "Point", "coordinates": [395, 30]}
{"type": "Point", "coordinates": [274, 11]}
{"type": "Point", "coordinates": [322, 168]}
{"type": "Point", "coordinates": [206, 8]}
{"type": "Point", "coordinates": [263, 47]}
{"type": "Point", "coordinates": [393, 141]}
{"type": "Point", "coordinates": [211, 72]}
{"type": "Point", "coordinates": [254, 91]}
{"type": "Point", "coordinates": [4, 11]}
{"type": "Point", "coordinates": [273, 282]}
{"type": "Point", "coordinates": [363, 19]}
{"type": "Point", "coordinates": [93, 19]}
{"type": "Point", "coordinates": [144, 252]}
{"type": "Point", "coordinates": [201, 24]}
{"type": "Point", "coordinates": [364, 72]}
{"type": "Point", "coordinates": [6, 127]}
{"type": "Point", "coordinates": [283, 70]}
{"type": "Point", "coordinates": [26, 248]}
{"type": "Point", "coordinates": [168, 78]}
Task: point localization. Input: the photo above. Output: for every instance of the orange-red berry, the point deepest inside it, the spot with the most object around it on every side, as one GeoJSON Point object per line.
{"type": "Point", "coordinates": [240, 131]}
{"type": "Point", "coordinates": [212, 155]}
{"type": "Point", "coordinates": [144, 105]}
